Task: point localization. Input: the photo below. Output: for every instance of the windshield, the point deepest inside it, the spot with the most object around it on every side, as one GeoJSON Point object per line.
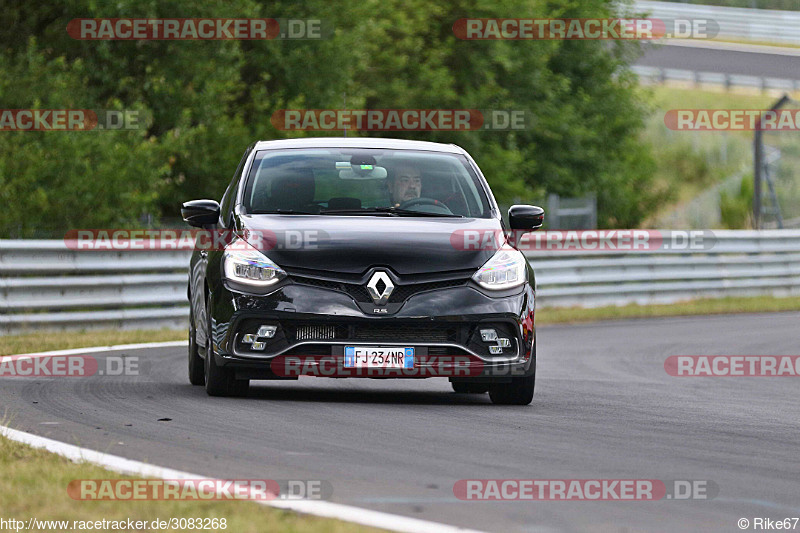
{"type": "Point", "coordinates": [347, 181]}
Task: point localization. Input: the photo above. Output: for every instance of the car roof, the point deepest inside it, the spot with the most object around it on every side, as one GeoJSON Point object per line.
{"type": "Point", "coordinates": [359, 142]}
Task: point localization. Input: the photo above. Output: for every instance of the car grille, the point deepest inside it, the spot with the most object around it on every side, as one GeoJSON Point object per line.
{"type": "Point", "coordinates": [373, 332]}
{"type": "Point", "coordinates": [405, 333]}
{"type": "Point", "coordinates": [360, 294]}
{"type": "Point", "coordinates": [316, 332]}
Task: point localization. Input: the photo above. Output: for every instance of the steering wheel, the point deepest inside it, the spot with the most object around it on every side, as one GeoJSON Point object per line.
{"type": "Point", "coordinates": [425, 201]}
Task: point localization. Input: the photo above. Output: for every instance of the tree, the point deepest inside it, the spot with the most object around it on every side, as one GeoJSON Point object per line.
{"type": "Point", "coordinates": [206, 101]}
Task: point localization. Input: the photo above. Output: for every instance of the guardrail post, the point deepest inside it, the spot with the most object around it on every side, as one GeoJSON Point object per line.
{"type": "Point", "coordinates": [758, 158]}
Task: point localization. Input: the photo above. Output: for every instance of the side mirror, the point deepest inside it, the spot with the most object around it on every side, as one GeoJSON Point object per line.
{"type": "Point", "coordinates": [200, 213]}
{"type": "Point", "coordinates": [525, 217]}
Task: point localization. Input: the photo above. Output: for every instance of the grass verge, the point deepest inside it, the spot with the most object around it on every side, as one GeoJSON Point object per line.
{"type": "Point", "coordinates": [34, 485]}
{"type": "Point", "coordinates": [779, 44]}
{"type": "Point", "coordinates": [717, 306]}
{"type": "Point", "coordinates": [30, 342]}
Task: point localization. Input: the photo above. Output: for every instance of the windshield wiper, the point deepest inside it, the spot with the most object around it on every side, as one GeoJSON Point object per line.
{"type": "Point", "coordinates": [283, 212]}
{"type": "Point", "coordinates": [391, 211]}
{"type": "Point", "coordinates": [363, 211]}
{"type": "Point", "coordinates": [410, 212]}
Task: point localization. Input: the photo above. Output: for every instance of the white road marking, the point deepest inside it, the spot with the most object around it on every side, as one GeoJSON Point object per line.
{"type": "Point", "coordinates": [122, 465]}
{"type": "Point", "coordinates": [338, 511]}
{"type": "Point", "coordinates": [96, 349]}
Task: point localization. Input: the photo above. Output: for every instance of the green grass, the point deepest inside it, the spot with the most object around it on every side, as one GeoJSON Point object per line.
{"type": "Point", "coordinates": [664, 98]}
{"type": "Point", "coordinates": [779, 44]}
{"type": "Point", "coordinates": [36, 342]}
{"type": "Point", "coordinates": [755, 304]}
{"type": "Point", "coordinates": [34, 483]}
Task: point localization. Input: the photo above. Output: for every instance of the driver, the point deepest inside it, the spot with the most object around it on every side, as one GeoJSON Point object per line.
{"type": "Point", "coordinates": [405, 184]}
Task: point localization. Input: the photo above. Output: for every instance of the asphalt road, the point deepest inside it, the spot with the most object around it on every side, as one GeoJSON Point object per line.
{"type": "Point", "coordinates": [604, 408]}
{"type": "Point", "coordinates": [770, 65]}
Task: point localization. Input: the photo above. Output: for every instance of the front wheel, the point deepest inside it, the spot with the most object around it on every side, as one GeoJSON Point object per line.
{"type": "Point", "coordinates": [197, 375]}
{"type": "Point", "coordinates": [221, 381]}
{"type": "Point", "coordinates": [518, 392]}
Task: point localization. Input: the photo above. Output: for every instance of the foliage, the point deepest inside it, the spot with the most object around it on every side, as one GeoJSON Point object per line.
{"type": "Point", "coordinates": [736, 210]}
{"type": "Point", "coordinates": [206, 101]}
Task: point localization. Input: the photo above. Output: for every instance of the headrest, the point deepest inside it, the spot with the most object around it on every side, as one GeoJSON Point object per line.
{"type": "Point", "coordinates": [293, 188]}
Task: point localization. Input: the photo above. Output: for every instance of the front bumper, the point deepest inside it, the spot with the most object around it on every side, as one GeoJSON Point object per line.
{"type": "Point", "coordinates": [314, 324]}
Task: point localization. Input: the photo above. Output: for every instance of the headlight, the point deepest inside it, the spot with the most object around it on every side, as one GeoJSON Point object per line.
{"type": "Point", "coordinates": [244, 264]}
{"type": "Point", "coordinates": [505, 270]}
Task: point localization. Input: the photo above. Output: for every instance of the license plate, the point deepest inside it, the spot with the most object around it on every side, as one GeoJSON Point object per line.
{"type": "Point", "coordinates": [378, 357]}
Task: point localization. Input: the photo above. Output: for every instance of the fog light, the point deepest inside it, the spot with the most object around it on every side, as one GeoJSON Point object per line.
{"type": "Point", "coordinates": [267, 331]}
{"type": "Point", "coordinates": [505, 343]}
{"type": "Point", "coordinates": [256, 341]}
{"type": "Point", "coordinates": [488, 335]}
{"type": "Point", "coordinates": [495, 350]}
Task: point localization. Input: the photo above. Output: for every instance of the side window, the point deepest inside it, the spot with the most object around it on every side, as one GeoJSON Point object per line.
{"type": "Point", "coordinates": [226, 205]}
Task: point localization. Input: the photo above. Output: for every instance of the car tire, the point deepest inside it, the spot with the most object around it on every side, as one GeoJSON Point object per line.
{"type": "Point", "coordinates": [221, 381]}
{"type": "Point", "coordinates": [518, 392]}
{"type": "Point", "coordinates": [197, 373]}
{"type": "Point", "coordinates": [469, 388]}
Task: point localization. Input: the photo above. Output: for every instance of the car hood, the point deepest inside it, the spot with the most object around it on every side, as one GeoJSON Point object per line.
{"type": "Point", "coordinates": [354, 244]}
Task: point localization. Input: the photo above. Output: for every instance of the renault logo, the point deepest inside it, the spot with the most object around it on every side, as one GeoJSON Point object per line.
{"type": "Point", "coordinates": [380, 295]}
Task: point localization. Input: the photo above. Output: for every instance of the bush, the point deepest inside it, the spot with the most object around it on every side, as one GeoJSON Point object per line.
{"type": "Point", "coordinates": [736, 210]}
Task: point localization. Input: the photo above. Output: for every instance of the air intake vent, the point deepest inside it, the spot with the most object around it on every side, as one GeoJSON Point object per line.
{"type": "Point", "coordinates": [320, 332]}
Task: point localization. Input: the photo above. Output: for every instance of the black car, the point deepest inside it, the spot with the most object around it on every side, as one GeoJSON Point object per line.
{"type": "Point", "coordinates": [356, 257]}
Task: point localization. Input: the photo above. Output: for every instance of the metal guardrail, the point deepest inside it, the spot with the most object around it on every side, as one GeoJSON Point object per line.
{"type": "Point", "coordinates": [761, 25]}
{"type": "Point", "coordinates": [740, 263]}
{"type": "Point", "coordinates": [698, 79]}
{"type": "Point", "coordinates": [44, 285]}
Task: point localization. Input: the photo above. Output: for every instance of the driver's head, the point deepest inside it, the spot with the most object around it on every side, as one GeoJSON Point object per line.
{"type": "Point", "coordinates": [405, 184]}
